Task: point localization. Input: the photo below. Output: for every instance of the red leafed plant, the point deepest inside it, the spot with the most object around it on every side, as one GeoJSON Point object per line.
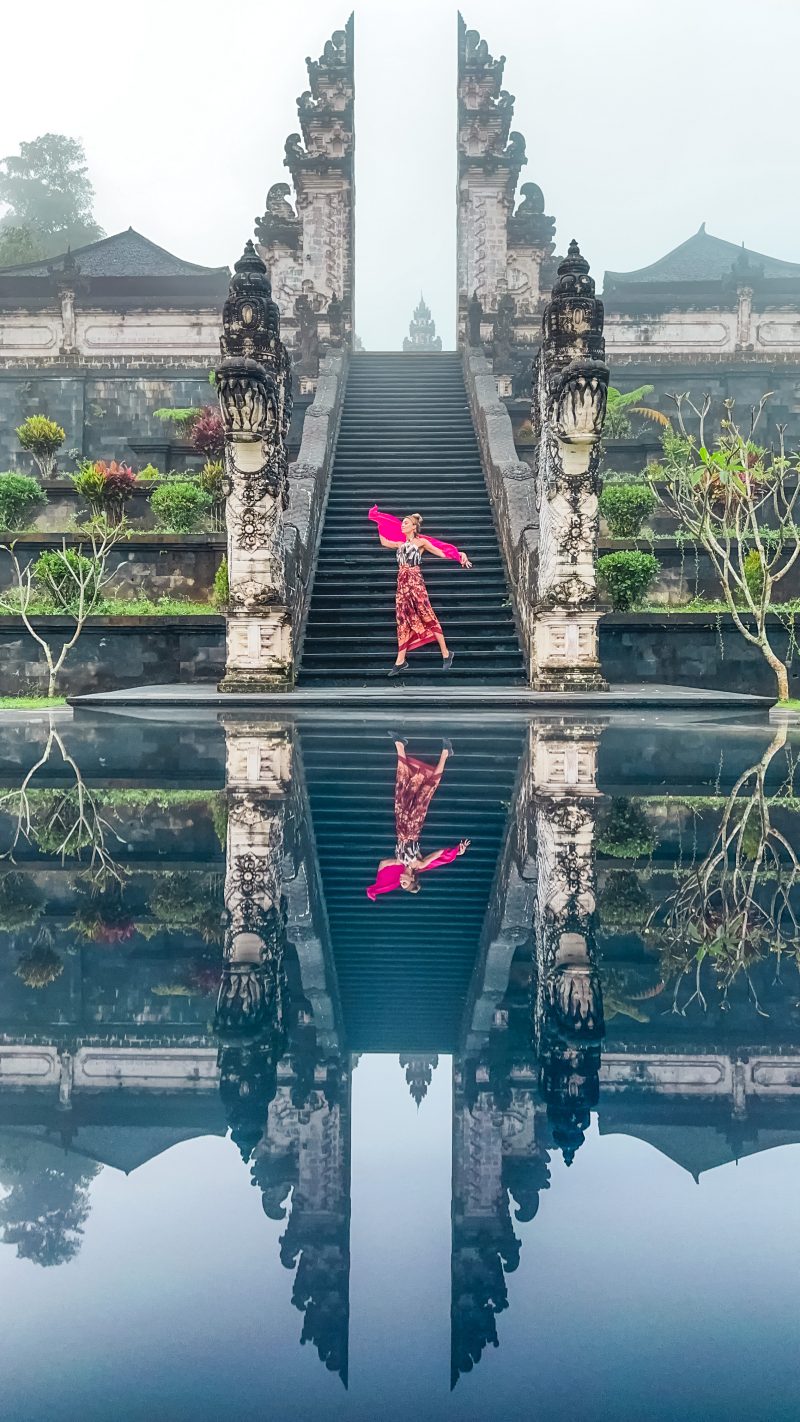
{"type": "Point", "coordinates": [207, 434]}
{"type": "Point", "coordinates": [106, 487]}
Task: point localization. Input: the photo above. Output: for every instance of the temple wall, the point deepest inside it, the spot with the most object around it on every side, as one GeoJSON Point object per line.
{"type": "Point", "coordinates": [711, 332]}
{"type": "Point", "coordinates": [31, 335]}
{"type": "Point", "coordinates": [101, 405]}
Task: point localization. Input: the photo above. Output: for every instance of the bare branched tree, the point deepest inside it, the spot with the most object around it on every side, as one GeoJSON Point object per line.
{"type": "Point", "coordinates": [73, 823]}
{"type": "Point", "coordinates": [739, 502]}
{"type": "Point", "coordinates": [740, 902]}
{"type": "Point", "coordinates": [77, 584]}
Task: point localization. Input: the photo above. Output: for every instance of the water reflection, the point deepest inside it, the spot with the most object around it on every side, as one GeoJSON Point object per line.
{"type": "Point", "coordinates": [416, 783]}
{"type": "Point", "coordinates": [182, 960]}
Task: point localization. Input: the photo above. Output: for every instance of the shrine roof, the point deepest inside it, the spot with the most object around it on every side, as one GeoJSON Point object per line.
{"type": "Point", "coordinates": [703, 258]}
{"type": "Point", "coordinates": [124, 254]}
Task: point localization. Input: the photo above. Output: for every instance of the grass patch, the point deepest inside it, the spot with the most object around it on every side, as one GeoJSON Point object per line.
{"type": "Point", "coordinates": [114, 607]}
{"type": "Point", "coordinates": [31, 703]}
{"type": "Point", "coordinates": [793, 704]}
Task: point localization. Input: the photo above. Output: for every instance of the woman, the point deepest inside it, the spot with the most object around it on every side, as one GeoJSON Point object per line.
{"type": "Point", "coordinates": [416, 783]}
{"type": "Point", "coordinates": [417, 622]}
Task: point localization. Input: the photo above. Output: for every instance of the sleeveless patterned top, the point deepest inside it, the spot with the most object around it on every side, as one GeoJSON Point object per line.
{"type": "Point", "coordinates": [409, 556]}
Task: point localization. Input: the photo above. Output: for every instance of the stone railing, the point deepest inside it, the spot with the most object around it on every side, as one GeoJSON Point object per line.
{"type": "Point", "coordinates": [511, 489]}
{"type": "Point", "coordinates": [309, 480]}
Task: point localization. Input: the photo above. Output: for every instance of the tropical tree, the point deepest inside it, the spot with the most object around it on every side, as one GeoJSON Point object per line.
{"type": "Point", "coordinates": [48, 196]}
{"type": "Point", "coordinates": [621, 406]}
{"type": "Point", "coordinates": [724, 498]}
{"type": "Point", "coordinates": [18, 245]}
{"type": "Point", "coordinates": [47, 1203]}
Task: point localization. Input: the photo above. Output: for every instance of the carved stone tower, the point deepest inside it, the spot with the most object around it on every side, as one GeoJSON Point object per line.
{"type": "Point", "coordinates": [568, 1022]}
{"type": "Point", "coordinates": [500, 251]}
{"type": "Point", "coordinates": [254, 385]}
{"type": "Point", "coordinates": [422, 330]}
{"type": "Point", "coordinates": [569, 407]}
{"type": "Point", "coordinates": [310, 251]}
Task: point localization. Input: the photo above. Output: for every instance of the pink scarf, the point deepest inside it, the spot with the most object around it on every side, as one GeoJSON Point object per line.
{"type": "Point", "coordinates": [388, 878]}
{"type": "Point", "coordinates": [391, 528]}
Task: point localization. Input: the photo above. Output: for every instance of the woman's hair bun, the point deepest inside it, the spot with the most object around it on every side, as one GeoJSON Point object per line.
{"type": "Point", "coordinates": [417, 519]}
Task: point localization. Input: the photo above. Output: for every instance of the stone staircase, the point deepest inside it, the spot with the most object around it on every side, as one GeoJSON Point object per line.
{"type": "Point", "coordinates": [407, 444]}
{"type": "Point", "coordinates": [404, 963]}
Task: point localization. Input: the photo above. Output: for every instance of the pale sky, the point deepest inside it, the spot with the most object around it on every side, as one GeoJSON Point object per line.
{"type": "Point", "coordinates": [640, 124]}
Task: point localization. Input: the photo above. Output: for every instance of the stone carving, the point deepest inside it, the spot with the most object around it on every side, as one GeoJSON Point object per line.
{"type": "Point", "coordinates": [499, 251]}
{"type": "Point", "coordinates": [568, 410]}
{"type": "Point", "coordinates": [307, 337]}
{"type": "Point", "coordinates": [568, 1019]}
{"type": "Point", "coordinates": [309, 248]}
{"type": "Point", "coordinates": [279, 224]}
{"type": "Point", "coordinates": [419, 1074]}
{"type": "Point", "coordinates": [254, 387]}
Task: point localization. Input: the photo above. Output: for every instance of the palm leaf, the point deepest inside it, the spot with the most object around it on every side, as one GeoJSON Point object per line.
{"type": "Point", "coordinates": [654, 415]}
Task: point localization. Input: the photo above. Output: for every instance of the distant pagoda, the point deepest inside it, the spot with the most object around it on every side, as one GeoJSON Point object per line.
{"type": "Point", "coordinates": [422, 330]}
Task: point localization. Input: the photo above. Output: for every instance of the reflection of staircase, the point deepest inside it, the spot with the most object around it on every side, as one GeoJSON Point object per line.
{"type": "Point", "coordinates": [407, 444]}
{"type": "Point", "coordinates": [404, 963]}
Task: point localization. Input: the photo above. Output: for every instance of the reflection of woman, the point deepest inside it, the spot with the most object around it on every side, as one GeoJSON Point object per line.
{"type": "Point", "coordinates": [416, 784]}
{"type": "Point", "coordinates": [417, 623]}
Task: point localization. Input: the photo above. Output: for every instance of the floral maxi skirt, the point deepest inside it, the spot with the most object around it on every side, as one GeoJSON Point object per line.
{"type": "Point", "coordinates": [415, 785]}
{"type": "Point", "coordinates": [417, 622]}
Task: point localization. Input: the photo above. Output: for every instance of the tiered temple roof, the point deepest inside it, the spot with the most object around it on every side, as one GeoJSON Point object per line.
{"type": "Point", "coordinates": [125, 265]}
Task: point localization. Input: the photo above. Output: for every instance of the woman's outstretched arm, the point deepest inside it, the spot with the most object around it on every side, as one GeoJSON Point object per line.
{"type": "Point", "coordinates": [438, 553]}
{"type": "Point", "coordinates": [391, 542]}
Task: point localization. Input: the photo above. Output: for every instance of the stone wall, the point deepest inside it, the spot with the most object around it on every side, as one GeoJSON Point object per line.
{"type": "Point", "coordinates": [309, 481]}
{"type": "Point", "coordinates": [692, 649]}
{"type": "Point", "coordinates": [114, 652]}
{"type": "Point", "coordinates": [101, 406]}
{"type": "Point", "coordinates": [511, 488]}
{"type": "Point", "coordinates": [179, 565]}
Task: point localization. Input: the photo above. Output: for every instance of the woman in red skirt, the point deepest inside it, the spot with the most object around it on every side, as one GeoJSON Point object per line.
{"type": "Point", "coordinates": [417, 622]}
{"type": "Point", "coordinates": [416, 784]}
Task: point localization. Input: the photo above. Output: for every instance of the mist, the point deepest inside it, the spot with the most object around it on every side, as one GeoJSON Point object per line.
{"type": "Point", "coordinates": [639, 125]}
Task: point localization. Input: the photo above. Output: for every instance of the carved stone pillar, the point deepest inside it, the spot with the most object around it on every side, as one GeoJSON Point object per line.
{"type": "Point", "coordinates": [569, 405]}
{"type": "Point", "coordinates": [500, 249]}
{"type": "Point", "coordinates": [744, 313]}
{"type": "Point", "coordinates": [254, 384]}
{"type": "Point", "coordinates": [309, 249]}
{"type": "Point", "coordinates": [568, 1005]}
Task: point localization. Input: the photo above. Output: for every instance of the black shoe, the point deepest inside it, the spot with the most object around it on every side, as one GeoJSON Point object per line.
{"type": "Point", "coordinates": [398, 671]}
{"type": "Point", "coordinates": [395, 736]}
{"type": "Point", "coordinates": [447, 745]}
{"type": "Point", "coordinates": [447, 662]}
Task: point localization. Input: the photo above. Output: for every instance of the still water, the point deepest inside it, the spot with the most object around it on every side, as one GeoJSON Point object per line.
{"type": "Point", "coordinates": [357, 1069]}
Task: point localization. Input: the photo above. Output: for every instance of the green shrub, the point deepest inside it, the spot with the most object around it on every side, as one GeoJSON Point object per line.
{"type": "Point", "coordinates": [58, 571]}
{"type": "Point", "coordinates": [180, 505]}
{"type": "Point", "coordinates": [149, 472]}
{"type": "Point", "coordinates": [184, 419]}
{"type": "Point", "coordinates": [623, 901]}
{"type": "Point", "coordinates": [105, 487]}
{"type": "Point", "coordinates": [626, 577]}
{"type": "Point", "coordinates": [43, 439]}
{"type": "Point", "coordinates": [754, 574]}
{"type": "Point", "coordinates": [625, 508]}
{"type": "Point", "coordinates": [20, 498]}
{"type": "Point", "coordinates": [222, 591]}
{"type": "Point", "coordinates": [212, 480]}
{"type": "Point", "coordinates": [623, 831]}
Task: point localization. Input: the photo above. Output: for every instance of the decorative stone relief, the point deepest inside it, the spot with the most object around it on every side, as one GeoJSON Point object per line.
{"type": "Point", "coordinates": [569, 405]}
{"type": "Point", "coordinates": [254, 386]}
{"type": "Point", "coordinates": [568, 1022]}
{"type": "Point", "coordinates": [309, 248]}
{"type": "Point", "coordinates": [501, 251]}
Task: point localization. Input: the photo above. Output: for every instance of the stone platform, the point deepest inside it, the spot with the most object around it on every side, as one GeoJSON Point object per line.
{"type": "Point", "coordinates": [398, 696]}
